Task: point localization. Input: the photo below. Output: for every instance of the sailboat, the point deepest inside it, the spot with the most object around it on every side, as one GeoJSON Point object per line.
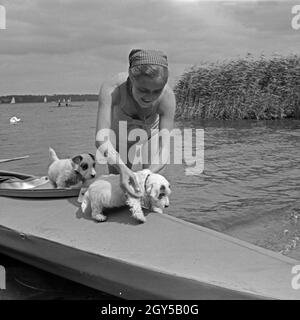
{"type": "Point", "coordinates": [13, 100]}
{"type": "Point", "coordinates": [45, 99]}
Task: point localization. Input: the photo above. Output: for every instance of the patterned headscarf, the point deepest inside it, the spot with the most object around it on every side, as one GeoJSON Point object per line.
{"type": "Point", "coordinates": [139, 57]}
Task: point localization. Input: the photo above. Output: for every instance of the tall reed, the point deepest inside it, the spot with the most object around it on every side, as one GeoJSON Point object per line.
{"type": "Point", "coordinates": [247, 88]}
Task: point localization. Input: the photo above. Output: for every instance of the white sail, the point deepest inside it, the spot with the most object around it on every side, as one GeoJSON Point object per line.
{"type": "Point", "coordinates": [45, 100]}
{"type": "Point", "coordinates": [13, 100]}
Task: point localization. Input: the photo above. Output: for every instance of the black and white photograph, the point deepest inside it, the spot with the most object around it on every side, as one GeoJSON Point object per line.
{"type": "Point", "coordinates": [149, 150]}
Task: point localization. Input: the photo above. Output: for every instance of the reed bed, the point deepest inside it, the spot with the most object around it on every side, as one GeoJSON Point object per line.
{"type": "Point", "coordinates": [246, 88]}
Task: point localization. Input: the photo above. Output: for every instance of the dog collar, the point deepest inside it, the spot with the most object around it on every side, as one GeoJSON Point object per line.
{"type": "Point", "coordinates": [146, 181]}
{"type": "Point", "coordinates": [145, 202]}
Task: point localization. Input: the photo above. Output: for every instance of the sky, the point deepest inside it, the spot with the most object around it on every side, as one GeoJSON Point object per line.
{"type": "Point", "coordinates": [72, 46]}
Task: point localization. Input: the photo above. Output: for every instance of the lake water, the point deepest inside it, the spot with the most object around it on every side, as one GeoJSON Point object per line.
{"type": "Point", "coordinates": [249, 188]}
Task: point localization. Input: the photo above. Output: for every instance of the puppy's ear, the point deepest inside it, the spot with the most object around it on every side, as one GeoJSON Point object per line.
{"type": "Point", "coordinates": [154, 191]}
{"type": "Point", "coordinates": [148, 185]}
{"type": "Point", "coordinates": [77, 159]}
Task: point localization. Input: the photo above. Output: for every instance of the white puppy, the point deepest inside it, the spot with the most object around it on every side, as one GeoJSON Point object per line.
{"type": "Point", "coordinates": [106, 192]}
{"type": "Point", "coordinates": [66, 173]}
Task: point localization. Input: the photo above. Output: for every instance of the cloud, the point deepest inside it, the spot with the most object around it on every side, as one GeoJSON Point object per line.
{"type": "Point", "coordinates": [72, 46]}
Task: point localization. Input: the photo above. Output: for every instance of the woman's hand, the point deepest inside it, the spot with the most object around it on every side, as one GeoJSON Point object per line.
{"type": "Point", "coordinates": [129, 183]}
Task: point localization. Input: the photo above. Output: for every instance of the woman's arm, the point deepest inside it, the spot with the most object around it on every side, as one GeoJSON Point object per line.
{"type": "Point", "coordinates": [107, 96]}
{"type": "Point", "coordinates": [166, 123]}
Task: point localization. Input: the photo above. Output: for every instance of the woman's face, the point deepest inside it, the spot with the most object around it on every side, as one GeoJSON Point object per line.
{"type": "Point", "coordinates": [146, 90]}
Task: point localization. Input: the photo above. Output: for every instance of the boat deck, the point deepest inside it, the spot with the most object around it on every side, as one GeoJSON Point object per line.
{"type": "Point", "coordinates": [164, 258]}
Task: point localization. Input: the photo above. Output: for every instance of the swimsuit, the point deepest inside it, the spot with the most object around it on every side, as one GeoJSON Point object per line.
{"type": "Point", "coordinates": [149, 123]}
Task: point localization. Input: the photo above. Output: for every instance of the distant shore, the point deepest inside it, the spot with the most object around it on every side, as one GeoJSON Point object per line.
{"type": "Point", "coordinates": [49, 98]}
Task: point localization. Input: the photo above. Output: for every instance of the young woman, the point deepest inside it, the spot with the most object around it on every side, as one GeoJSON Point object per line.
{"type": "Point", "coordinates": [141, 99]}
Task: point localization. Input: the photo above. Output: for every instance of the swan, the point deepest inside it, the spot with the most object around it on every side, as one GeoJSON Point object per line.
{"type": "Point", "coordinates": [14, 120]}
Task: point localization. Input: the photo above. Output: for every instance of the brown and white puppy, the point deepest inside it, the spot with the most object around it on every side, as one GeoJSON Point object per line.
{"type": "Point", "coordinates": [105, 192]}
{"type": "Point", "coordinates": [71, 173]}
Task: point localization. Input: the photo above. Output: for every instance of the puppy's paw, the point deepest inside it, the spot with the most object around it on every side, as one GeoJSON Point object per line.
{"type": "Point", "coordinates": [139, 216]}
{"type": "Point", "coordinates": [61, 186]}
{"type": "Point", "coordinates": [100, 217]}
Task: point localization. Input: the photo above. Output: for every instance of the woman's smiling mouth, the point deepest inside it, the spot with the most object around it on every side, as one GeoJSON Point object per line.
{"type": "Point", "coordinates": [146, 101]}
